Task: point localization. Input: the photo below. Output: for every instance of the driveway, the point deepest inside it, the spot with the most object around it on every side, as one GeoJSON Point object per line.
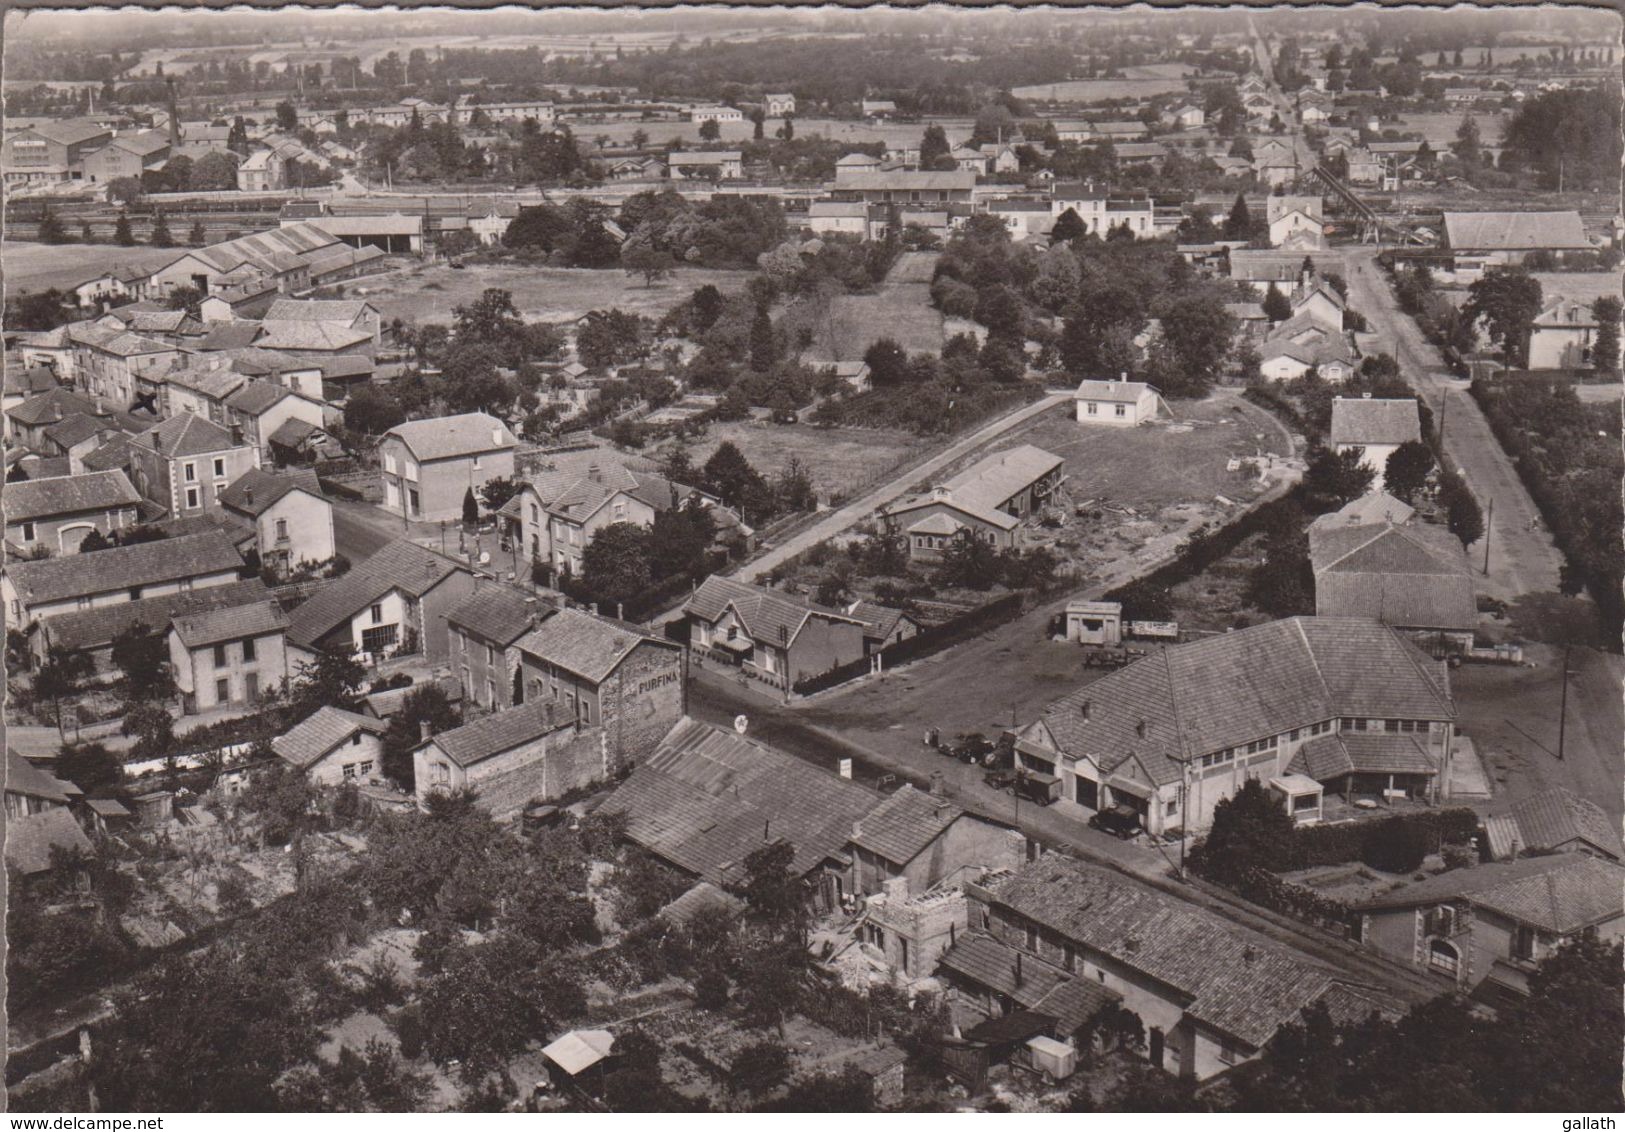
{"type": "Point", "coordinates": [1523, 559]}
{"type": "Point", "coordinates": [837, 521]}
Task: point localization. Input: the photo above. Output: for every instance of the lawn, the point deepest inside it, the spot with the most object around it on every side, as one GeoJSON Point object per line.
{"type": "Point", "coordinates": [900, 308]}
{"type": "Point", "coordinates": [840, 460]}
{"type": "Point", "coordinates": [1585, 286]}
{"type": "Point", "coordinates": [39, 267]}
{"type": "Point", "coordinates": [542, 294]}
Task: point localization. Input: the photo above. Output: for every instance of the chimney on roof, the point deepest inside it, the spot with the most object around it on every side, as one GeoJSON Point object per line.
{"type": "Point", "coordinates": [248, 496]}
{"type": "Point", "coordinates": [1141, 728]}
{"type": "Point", "coordinates": [1019, 979]}
{"type": "Point", "coordinates": [1083, 709]}
{"type": "Point", "coordinates": [594, 473]}
{"type": "Point", "coordinates": [531, 611]}
{"type": "Point", "coordinates": [496, 436]}
{"type": "Point", "coordinates": [424, 731]}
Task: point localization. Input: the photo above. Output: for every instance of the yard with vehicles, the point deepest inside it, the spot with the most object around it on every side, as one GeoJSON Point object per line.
{"type": "Point", "coordinates": [543, 294]}
{"type": "Point", "coordinates": [39, 267]}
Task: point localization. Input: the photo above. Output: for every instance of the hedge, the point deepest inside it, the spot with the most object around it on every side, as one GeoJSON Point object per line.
{"type": "Point", "coordinates": [1315, 845]}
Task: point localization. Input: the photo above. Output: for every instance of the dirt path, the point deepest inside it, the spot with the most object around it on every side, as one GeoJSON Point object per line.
{"type": "Point", "coordinates": [1523, 559]}
{"type": "Point", "coordinates": [862, 507]}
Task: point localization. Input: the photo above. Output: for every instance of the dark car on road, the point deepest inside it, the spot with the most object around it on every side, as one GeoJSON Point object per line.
{"type": "Point", "coordinates": [1119, 821]}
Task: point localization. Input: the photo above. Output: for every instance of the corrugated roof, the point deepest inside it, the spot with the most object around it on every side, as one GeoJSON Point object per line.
{"type": "Point", "coordinates": [121, 567]}
{"type": "Point", "coordinates": [1562, 893]}
{"type": "Point", "coordinates": [405, 565]}
{"type": "Point", "coordinates": [68, 495]}
{"type": "Point", "coordinates": [96, 628]}
{"type": "Point", "coordinates": [442, 438]}
{"type": "Point", "coordinates": [307, 741]}
{"type": "Point", "coordinates": [1375, 420]}
{"type": "Point", "coordinates": [905, 824]}
{"type": "Point", "coordinates": [706, 798]}
{"type": "Point", "coordinates": [233, 623]}
{"type": "Point", "coordinates": [1512, 231]}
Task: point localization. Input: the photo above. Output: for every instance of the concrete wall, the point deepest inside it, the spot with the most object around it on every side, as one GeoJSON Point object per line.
{"type": "Point", "coordinates": [822, 645]}
{"type": "Point", "coordinates": [63, 533]}
{"type": "Point", "coordinates": [309, 525]}
{"type": "Point", "coordinates": [442, 484]}
{"type": "Point", "coordinates": [198, 674]}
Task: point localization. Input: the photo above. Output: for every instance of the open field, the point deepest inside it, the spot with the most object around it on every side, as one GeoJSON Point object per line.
{"type": "Point", "coordinates": [840, 460]}
{"type": "Point", "coordinates": [39, 267]}
{"type": "Point", "coordinates": [1440, 129]}
{"type": "Point", "coordinates": [1586, 286]}
{"type": "Point", "coordinates": [1098, 90]}
{"type": "Point", "coordinates": [900, 308]}
{"type": "Point", "coordinates": [542, 294]}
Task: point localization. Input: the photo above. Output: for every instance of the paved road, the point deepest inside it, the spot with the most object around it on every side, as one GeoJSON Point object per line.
{"type": "Point", "coordinates": [360, 530]}
{"type": "Point", "coordinates": [837, 521]}
{"type": "Point", "coordinates": [716, 699]}
{"type": "Point", "coordinates": [1523, 559]}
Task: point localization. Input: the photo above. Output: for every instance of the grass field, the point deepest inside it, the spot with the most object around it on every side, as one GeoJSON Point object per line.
{"type": "Point", "coordinates": [1586, 286]}
{"type": "Point", "coordinates": [542, 294]}
{"type": "Point", "coordinates": [1098, 90]}
{"type": "Point", "coordinates": [39, 267]}
{"type": "Point", "coordinates": [840, 460]}
{"type": "Point", "coordinates": [900, 308]}
{"type": "Point", "coordinates": [1440, 129]}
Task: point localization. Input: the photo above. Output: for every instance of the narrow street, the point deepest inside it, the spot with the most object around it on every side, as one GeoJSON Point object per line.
{"type": "Point", "coordinates": [1523, 559]}
{"type": "Point", "coordinates": [716, 699]}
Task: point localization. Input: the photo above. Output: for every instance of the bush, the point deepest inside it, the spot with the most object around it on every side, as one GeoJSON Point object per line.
{"type": "Point", "coordinates": [1396, 846]}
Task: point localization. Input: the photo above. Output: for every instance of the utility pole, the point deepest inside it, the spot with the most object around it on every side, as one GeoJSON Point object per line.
{"type": "Point", "coordinates": [1488, 524]}
{"type": "Point", "coordinates": [1563, 707]}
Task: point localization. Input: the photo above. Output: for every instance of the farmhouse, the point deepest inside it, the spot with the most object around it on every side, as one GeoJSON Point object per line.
{"type": "Point", "coordinates": [986, 501]}
{"type": "Point", "coordinates": [770, 636]}
{"type": "Point", "coordinates": [1171, 736]}
{"type": "Point", "coordinates": [58, 513]}
{"type": "Point", "coordinates": [1377, 425]}
{"type": "Point", "coordinates": [1121, 404]}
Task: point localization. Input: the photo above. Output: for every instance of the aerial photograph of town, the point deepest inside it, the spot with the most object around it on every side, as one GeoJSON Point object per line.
{"type": "Point", "coordinates": [813, 560]}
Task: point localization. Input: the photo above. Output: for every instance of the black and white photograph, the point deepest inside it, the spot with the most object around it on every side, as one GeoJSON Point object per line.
{"type": "Point", "coordinates": [769, 560]}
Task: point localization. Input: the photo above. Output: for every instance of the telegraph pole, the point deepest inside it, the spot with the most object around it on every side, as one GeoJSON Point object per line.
{"type": "Point", "coordinates": [1563, 707]}
{"type": "Point", "coordinates": [1488, 524]}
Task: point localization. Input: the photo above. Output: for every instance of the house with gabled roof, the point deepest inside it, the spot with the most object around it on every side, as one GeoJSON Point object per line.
{"type": "Point", "coordinates": [334, 746]}
{"type": "Point", "coordinates": [1121, 404]}
{"type": "Point", "coordinates": [58, 513]}
{"type": "Point", "coordinates": [394, 602]}
{"type": "Point", "coordinates": [483, 629]}
{"type": "Point", "coordinates": [1303, 343]}
{"type": "Point", "coordinates": [430, 465]}
{"type": "Point", "coordinates": [1507, 237]}
{"type": "Point", "coordinates": [53, 586]}
{"type": "Point", "coordinates": [285, 517]}
{"type": "Point", "coordinates": [1554, 820]}
{"type": "Point", "coordinates": [1375, 425]}
{"type": "Point", "coordinates": [1319, 302]}
{"type": "Point", "coordinates": [258, 408]}
{"type": "Point", "coordinates": [350, 314]}
{"type": "Point", "coordinates": [512, 758]}
{"type": "Point", "coordinates": [987, 501]}
{"type": "Point", "coordinates": [1373, 508]}
{"type": "Point", "coordinates": [1295, 221]}
{"type": "Point", "coordinates": [770, 636]}
{"type": "Point", "coordinates": [91, 632]}
{"type": "Point", "coordinates": [184, 463]}
{"type": "Point", "coordinates": [1563, 335]}
{"type": "Point", "coordinates": [927, 840]}
{"type": "Point", "coordinates": [1171, 736]}
{"type": "Point", "coordinates": [1484, 929]}
{"type": "Point", "coordinates": [230, 655]}
{"type": "Point", "coordinates": [1211, 995]}
{"type": "Point", "coordinates": [1414, 577]}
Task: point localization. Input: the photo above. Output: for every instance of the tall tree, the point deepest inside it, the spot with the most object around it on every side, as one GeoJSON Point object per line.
{"type": "Point", "coordinates": [1605, 350]}
{"type": "Point", "coordinates": [1407, 469]}
{"type": "Point", "coordinates": [122, 236]}
{"type": "Point", "coordinates": [1277, 307]}
{"type": "Point", "coordinates": [1507, 299]}
{"type": "Point", "coordinates": [933, 146]}
{"type": "Point", "coordinates": [161, 237]}
{"type": "Point", "coordinates": [50, 227]}
{"type": "Point", "coordinates": [763, 346]}
{"type": "Point", "coordinates": [1239, 224]}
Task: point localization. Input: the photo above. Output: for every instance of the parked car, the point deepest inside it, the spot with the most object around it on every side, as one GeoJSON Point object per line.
{"type": "Point", "coordinates": [1000, 780]}
{"type": "Point", "coordinates": [1119, 821]}
{"type": "Point", "coordinates": [969, 747]}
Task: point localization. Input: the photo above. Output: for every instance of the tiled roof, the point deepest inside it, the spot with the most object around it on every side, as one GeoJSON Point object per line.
{"type": "Point", "coordinates": [256, 397]}
{"type": "Point", "coordinates": [76, 429]}
{"type": "Point", "coordinates": [1557, 817]}
{"type": "Point", "coordinates": [23, 777]}
{"type": "Point", "coordinates": [317, 310]}
{"type": "Point", "coordinates": [1237, 982]}
{"type": "Point", "coordinates": [233, 623]}
{"type": "Point", "coordinates": [386, 703]}
{"type": "Point", "coordinates": [293, 432]}
{"type": "Point", "coordinates": [1074, 1003]}
{"type": "Point", "coordinates": [30, 380]}
{"type": "Point", "coordinates": [995, 478]}
{"type": "Point", "coordinates": [1373, 508]}
{"type": "Point", "coordinates": [1513, 231]}
{"type": "Point", "coordinates": [1322, 758]}
{"type": "Point", "coordinates": [501, 731]}
{"type": "Point", "coordinates": [495, 613]}
{"type": "Point", "coordinates": [121, 567]}
{"type": "Point", "coordinates": [406, 565]}
{"type": "Point", "coordinates": [68, 495]}
{"type": "Point", "coordinates": [52, 405]}
{"type": "Point", "coordinates": [1111, 390]}
{"type": "Point", "coordinates": [306, 742]}
{"type": "Point", "coordinates": [1375, 420]}
{"type": "Point", "coordinates": [1562, 893]}
{"type": "Point", "coordinates": [882, 620]}
{"type": "Point", "coordinates": [230, 335]}
{"type": "Point", "coordinates": [1415, 576]}
{"type": "Point", "coordinates": [706, 798]}
{"type": "Point", "coordinates": [980, 958]}
{"type": "Point", "coordinates": [766, 615]}
{"type": "Point", "coordinates": [253, 492]}
{"type": "Point", "coordinates": [1224, 691]}
{"type": "Point", "coordinates": [905, 824]}
{"type": "Point", "coordinates": [96, 628]}
{"type": "Point", "coordinates": [704, 901]}
{"type": "Point", "coordinates": [1378, 752]}
{"type": "Point", "coordinates": [309, 336]}
{"type": "Point", "coordinates": [114, 453]}
{"type": "Point", "coordinates": [588, 646]}
{"type": "Point", "coordinates": [186, 434]}
{"type": "Point", "coordinates": [29, 840]}
{"type": "Point", "coordinates": [441, 438]}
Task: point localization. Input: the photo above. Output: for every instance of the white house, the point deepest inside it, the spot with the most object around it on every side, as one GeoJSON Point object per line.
{"type": "Point", "coordinates": [1562, 336]}
{"type": "Point", "coordinates": [334, 746]}
{"type": "Point", "coordinates": [1119, 404]}
{"type": "Point", "coordinates": [1295, 222]}
{"type": "Point", "coordinates": [716, 114]}
{"type": "Point", "coordinates": [1378, 425]}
